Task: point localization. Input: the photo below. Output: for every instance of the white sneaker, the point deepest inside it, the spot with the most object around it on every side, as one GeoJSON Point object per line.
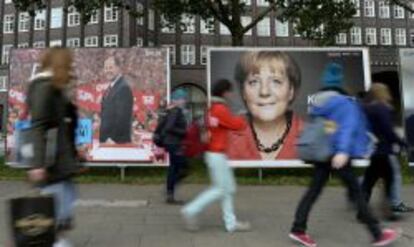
{"type": "Point", "coordinates": [61, 242]}
{"type": "Point", "coordinates": [241, 226]}
{"type": "Point", "coordinates": [191, 222]}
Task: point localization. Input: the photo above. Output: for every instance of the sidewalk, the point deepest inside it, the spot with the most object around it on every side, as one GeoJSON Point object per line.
{"type": "Point", "coordinates": [136, 216]}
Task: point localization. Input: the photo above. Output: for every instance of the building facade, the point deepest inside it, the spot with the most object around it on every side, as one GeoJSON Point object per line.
{"type": "Point", "coordinates": [379, 26]}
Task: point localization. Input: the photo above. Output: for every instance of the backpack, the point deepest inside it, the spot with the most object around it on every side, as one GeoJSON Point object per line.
{"type": "Point", "coordinates": [314, 143]}
{"type": "Point", "coordinates": [158, 136]}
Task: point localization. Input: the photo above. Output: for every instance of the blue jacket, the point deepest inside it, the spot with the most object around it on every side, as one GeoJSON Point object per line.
{"type": "Point", "coordinates": [351, 134]}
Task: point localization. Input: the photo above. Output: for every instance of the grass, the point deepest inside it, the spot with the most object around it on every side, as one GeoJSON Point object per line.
{"type": "Point", "coordinates": [198, 175]}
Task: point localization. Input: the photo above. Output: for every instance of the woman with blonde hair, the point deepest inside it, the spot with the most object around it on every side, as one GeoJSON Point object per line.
{"type": "Point", "coordinates": [54, 118]}
{"type": "Point", "coordinates": [379, 111]}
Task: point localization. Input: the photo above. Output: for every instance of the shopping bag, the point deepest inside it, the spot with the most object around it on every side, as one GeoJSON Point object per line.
{"type": "Point", "coordinates": [32, 221]}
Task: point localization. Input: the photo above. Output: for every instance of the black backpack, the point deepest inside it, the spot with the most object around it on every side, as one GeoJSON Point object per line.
{"type": "Point", "coordinates": [158, 136]}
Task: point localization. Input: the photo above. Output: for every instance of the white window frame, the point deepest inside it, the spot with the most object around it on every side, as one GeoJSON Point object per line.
{"type": "Point", "coordinates": [357, 5]}
{"type": "Point", "coordinates": [40, 20]}
{"type": "Point", "coordinates": [172, 50]}
{"type": "Point", "coordinates": [188, 56]}
{"type": "Point", "coordinates": [412, 37]}
{"type": "Point", "coordinates": [5, 53]}
{"type": "Point", "coordinates": [39, 44]}
{"type": "Point", "coordinates": [151, 19]}
{"type": "Point", "coordinates": [401, 36]}
{"type": "Point", "coordinates": [262, 3]}
{"type": "Point", "coordinates": [23, 45]}
{"type": "Point", "coordinates": [203, 54]}
{"type": "Point", "coordinates": [386, 36]}
{"type": "Point", "coordinates": [140, 42]}
{"type": "Point", "coordinates": [24, 22]}
{"type": "Point", "coordinates": [151, 43]}
{"type": "Point", "coordinates": [371, 36]}
{"type": "Point", "coordinates": [383, 9]}
{"type": "Point", "coordinates": [263, 27]}
{"type": "Point", "coordinates": [56, 20]}
{"type": "Point", "coordinates": [399, 12]}
{"type": "Point", "coordinates": [8, 1]}
{"type": "Point", "coordinates": [91, 41]}
{"type": "Point", "coordinates": [412, 7]}
{"type": "Point", "coordinates": [246, 20]}
{"type": "Point", "coordinates": [189, 22]}
{"type": "Point", "coordinates": [204, 29]}
{"type": "Point", "coordinates": [369, 8]}
{"type": "Point", "coordinates": [110, 13]}
{"type": "Point", "coordinates": [140, 9]}
{"type": "Point", "coordinates": [356, 36]}
{"type": "Point", "coordinates": [73, 17]}
{"type": "Point", "coordinates": [3, 83]}
{"type": "Point", "coordinates": [111, 40]}
{"type": "Point", "coordinates": [8, 26]}
{"type": "Point", "coordinates": [282, 28]}
{"type": "Point", "coordinates": [165, 28]}
{"type": "Point", "coordinates": [73, 42]}
{"type": "Point", "coordinates": [94, 18]}
{"type": "Point", "coordinates": [55, 43]}
{"type": "Point", "coordinates": [341, 39]}
{"type": "Point", "coordinates": [224, 30]}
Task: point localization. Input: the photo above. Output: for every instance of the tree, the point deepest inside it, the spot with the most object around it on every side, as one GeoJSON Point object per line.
{"type": "Point", "coordinates": [319, 20]}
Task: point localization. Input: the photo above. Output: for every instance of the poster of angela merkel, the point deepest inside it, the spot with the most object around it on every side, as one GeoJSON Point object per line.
{"type": "Point", "coordinates": [118, 91]}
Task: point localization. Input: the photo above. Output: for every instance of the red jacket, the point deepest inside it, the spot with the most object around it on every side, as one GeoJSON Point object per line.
{"type": "Point", "coordinates": [226, 121]}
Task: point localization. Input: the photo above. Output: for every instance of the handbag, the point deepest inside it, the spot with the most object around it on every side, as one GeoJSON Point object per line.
{"type": "Point", "coordinates": [28, 143]}
{"type": "Point", "coordinates": [32, 221]}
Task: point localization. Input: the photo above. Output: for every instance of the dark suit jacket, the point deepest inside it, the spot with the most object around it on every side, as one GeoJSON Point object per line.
{"type": "Point", "coordinates": [116, 113]}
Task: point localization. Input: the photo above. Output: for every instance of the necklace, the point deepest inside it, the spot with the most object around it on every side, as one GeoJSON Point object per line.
{"type": "Point", "coordinates": [275, 146]}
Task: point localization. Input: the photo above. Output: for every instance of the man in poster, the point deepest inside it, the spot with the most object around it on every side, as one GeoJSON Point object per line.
{"type": "Point", "coordinates": [116, 106]}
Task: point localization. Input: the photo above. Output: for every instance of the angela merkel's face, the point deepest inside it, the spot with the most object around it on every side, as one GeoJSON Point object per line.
{"type": "Point", "coordinates": [267, 92]}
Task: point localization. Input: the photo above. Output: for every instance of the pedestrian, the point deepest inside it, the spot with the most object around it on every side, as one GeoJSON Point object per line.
{"type": "Point", "coordinates": [223, 187]}
{"type": "Point", "coordinates": [384, 160]}
{"type": "Point", "coordinates": [50, 108]}
{"type": "Point", "coordinates": [348, 141]}
{"type": "Point", "coordinates": [173, 134]}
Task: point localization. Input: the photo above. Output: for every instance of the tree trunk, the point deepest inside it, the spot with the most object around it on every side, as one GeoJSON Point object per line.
{"type": "Point", "coordinates": [237, 39]}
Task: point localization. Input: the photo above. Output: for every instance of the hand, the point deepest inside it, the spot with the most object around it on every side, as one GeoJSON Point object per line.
{"type": "Point", "coordinates": [340, 160]}
{"type": "Point", "coordinates": [109, 141]}
{"type": "Point", "coordinates": [37, 175]}
{"type": "Point", "coordinates": [213, 121]}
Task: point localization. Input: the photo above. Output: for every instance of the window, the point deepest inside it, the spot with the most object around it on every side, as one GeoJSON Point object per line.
{"type": "Point", "coordinates": [94, 18]}
{"type": "Point", "coordinates": [384, 9]}
{"type": "Point", "coordinates": [111, 40]}
{"type": "Point", "coordinates": [151, 19]}
{"type": "Point", "coordinates": [39, 44]}
{"type": "Point", "coordinates": [5, 54]}
{"type": "Point", "coordinates": [295, 31]}
{"type": "Point", "coordinates": [203, 54]}
{"type": "Point", "coordinates": [8, 24]}
{"type": "Point", "coordinates": [150, 43]}
{"type": "Point", "coordinates": [341, 39]}
{"type": "Point", "coordinates": [263, 27]}
{"type": "Point", "coordinates": [91, 41]}
{"type": "Point", "coordinates": [40, 20]}
{"type": "Point", "coordinates": [262, 3]}
{"type": "Point", "coordinates": [171, 52]}
{"type": "Point", "coordinates": [140, 10]}
{"type": "Point", "coordinates": [166, 27]}
{"type": "Point", "coordinates": [356, 36]}
{"type": "Point", "coordinates": [412, 37]}
{"type": "Point", "coordinates": [111, 13]}
{"type": "Point", "coordinates": [73, 17]}
{"type": "Point", "coordinates": [56, 18]}
{"type": "Point", "coordinates": [369, 8]}
{"type": "Point", "coordinates": [386, 36]}
{"type": "Point", "coordinates": [247, 2]}
{"type": "Point", "coordinates": [23, 45]}
{"type": "Point", "coordinates": [8, 1]}
{"type": "Point", "coordinates": [140, 42]}
{"type": "Point", "coordinates": [189, 23]}
{"type": "Point", "coordinates": [224, 30]}
{"type": "Point", "coordinates": [357, 5]}
{"type": "Point", "coordinates": [3, 83]}
{"type": "Point", "coordinates": [412, 7]}
{"type": "Point", "coordinates": [187, 54]}
{"type": "Point", "coordinates": [399, 12]}
{"type": "Point", "coordinates": [24, 22]}
{"type": "Point", "coordinates": [282, 29]}
{"type": "Point", "coordinates": [207, 26]}
{"type": "Point", "coordinates": [246, 21]}
{"type": "Point", "coordinates": [55, 43]}
{"type": "Point", "coordinates": [400, 36]}
{"type": "Point", "coordinates": [73, 42]}
{"type": "Point", "coordinates": [370, 36]}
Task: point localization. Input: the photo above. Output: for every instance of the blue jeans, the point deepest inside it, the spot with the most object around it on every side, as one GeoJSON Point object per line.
{"type": "Point", "coordinates": [396, 185]}
{"type": "Point", "coordinates": [65, 195]}
{"type": "Point", "coordinates": [222, 188]}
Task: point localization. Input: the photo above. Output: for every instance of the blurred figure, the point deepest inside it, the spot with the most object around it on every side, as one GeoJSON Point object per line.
{"type": "Point", "coordinates": [50, 108]}
{"type": "Point", "coordinates": [173, 134]}
{"type": "Point", "coordinates": [223, 187]}
{"type": "Point", "coordinates": [349, 141]}
{"type": "Point", "coordinates": [117, 105]}
{"type": "Point", "coordinates": [384, 163]}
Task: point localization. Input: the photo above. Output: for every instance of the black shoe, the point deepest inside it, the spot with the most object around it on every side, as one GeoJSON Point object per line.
{"type": "Point", "coordinates": [402, 208]}
{"type": "Point", "coordinates": [172, 201]}
{"type": "Point", "coordinates": [393, 217]}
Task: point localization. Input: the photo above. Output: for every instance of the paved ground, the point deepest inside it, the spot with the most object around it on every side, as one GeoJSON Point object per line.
{"type": "Point", "coordinates": [135, 216]}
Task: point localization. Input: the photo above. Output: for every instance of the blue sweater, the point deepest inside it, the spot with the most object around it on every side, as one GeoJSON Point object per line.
{"type": "Point", "coordinates": [351, 135]}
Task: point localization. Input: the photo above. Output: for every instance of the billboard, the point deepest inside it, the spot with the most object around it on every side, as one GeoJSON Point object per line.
{"type": "Point", "coordinates": [273, 88]}
{"type": "Point", "coordinates": [407, 92]}
{"type": "Point", "coordinates": [118, 92]}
